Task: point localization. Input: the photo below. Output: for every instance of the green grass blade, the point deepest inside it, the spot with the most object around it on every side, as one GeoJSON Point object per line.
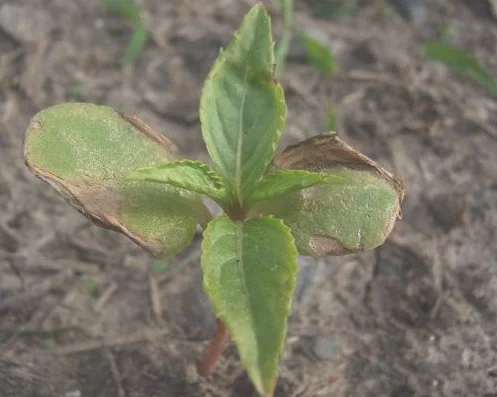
{"type": "Point", "coordinates": [124, 8]}
{"type": "Point", "coordinates": [136, 44]}
{"type": "Point", "coordinates": [319, 55]}
{"type": "Point", "coordinates": [462, 63]}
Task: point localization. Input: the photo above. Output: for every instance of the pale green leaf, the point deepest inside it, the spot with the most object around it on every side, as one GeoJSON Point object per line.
{"type": "Point", "coordinates": [86, 151]}
{"type": "Point", "coordinates": [281, 182]}
{"type": "Point", "coordinates": [187, 174]}
{"type": "Point", "coordinates": [462, 63]}
{"type": "Point", "coordinates": [319, 54]}
{"type": "Point", "coordinates": [336, 219]}
{"type": "Point", "coordinates": [242, 108]}
{"type": "Point", "coordinates": [249, 274]}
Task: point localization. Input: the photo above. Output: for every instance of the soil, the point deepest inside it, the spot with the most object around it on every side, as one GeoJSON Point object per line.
{"type": "Point", "coordinates": [82, 313]}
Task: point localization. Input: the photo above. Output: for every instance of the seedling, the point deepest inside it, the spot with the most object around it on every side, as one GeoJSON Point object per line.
{"type": "Point", "coordinates": [139, 37]}
{"type": "Point", "coordinates": [462, 63]}
{"type": "Point", "coordinates": [320, 197]}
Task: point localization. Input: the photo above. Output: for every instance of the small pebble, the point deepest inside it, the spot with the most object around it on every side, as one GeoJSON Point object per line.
{"type": "Point", "coordinates": [325, 348]}
{"type": "Point", "coordinates": [73, 393]}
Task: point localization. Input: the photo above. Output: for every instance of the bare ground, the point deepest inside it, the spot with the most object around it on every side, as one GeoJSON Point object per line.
{"type": "Point", "coordinates": [81, 313]}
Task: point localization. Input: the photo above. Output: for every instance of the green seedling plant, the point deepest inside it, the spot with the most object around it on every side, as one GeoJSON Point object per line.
{"type": "Point", "coordinates": [140, 34]}
{"type": "Point", "coordinates": [319, 197]}
{"type": "Point", "coordinates": [460, 62]}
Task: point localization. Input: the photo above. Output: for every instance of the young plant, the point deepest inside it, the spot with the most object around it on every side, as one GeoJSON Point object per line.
{"type": "Point", "coordinates": [320, 197]}
{"type": "Point", "coordinates": [139, 38]}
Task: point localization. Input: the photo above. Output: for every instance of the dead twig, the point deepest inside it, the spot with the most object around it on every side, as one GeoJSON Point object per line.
{"type": "Point", "coordinates": [104, 298]}
{"type": "Point", "coordinates": [115, 373]}
{"type": "Point", "coordinates": [113, 341]}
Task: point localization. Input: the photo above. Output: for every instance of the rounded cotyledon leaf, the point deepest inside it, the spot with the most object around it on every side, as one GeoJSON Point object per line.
{"type": "Point", "coordinates": [336, 219]}
{"type": "Point", "coordinates": [86, 151]}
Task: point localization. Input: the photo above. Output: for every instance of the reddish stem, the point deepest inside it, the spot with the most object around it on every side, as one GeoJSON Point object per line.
{"type": "Point", "coordinates": [208, 360]}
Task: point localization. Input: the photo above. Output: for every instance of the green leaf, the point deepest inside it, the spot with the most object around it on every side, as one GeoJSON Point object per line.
{"type": "Point", "coordinates": [249, 274]}
{"type": "Point", "coordinates": [160, 266]}
{"type": "Point", "coordinates": [319, 54]}
{"type": "Point", "coordinates": [334, 10]}
{"type": "Point", "coordinates": [124, 8]}
{"type": "Point", "coordinates": [86, 151]}
{"type": "Point", "coordinates": [337, 219]}
{"type": "Point", "coordinates": [91, 286]}
{"type": "Point", "coordinates": [242, 109]}
{"type": "Point", "coordinates": [462, 63]}
{"type": "Point", "coordinates": [136, 44]}
{"type": "Point", "coordinates": [281, 53]}
{"type": "Point", "coordinates": [187, 174]}
{"type": "Point", "coordinates": [281, 182]}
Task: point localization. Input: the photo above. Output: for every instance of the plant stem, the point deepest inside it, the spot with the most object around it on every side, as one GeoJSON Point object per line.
{"type": "Point", "coordinates": [208, 360]}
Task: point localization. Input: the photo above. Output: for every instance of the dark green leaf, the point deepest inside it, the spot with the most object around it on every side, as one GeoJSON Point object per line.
{"type": "Point", "coordinates": [242, 108]}
{"type": "Point", "coordinates": [249, 274]}
{"type": "Point", "coordinates": [461, 62]}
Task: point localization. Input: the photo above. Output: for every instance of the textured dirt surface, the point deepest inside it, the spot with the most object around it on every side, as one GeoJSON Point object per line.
{"type": "Point", "coordinates": [83, 315]}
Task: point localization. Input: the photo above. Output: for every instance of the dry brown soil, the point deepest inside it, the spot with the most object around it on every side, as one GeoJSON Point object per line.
{"type": "Point", "coordinates": [83, 315]}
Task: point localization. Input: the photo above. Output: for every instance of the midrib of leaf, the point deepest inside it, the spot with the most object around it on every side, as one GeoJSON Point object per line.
{"type": "Point", "coordinates": [241, 271]}
{"type": "Point", "coordinates": [239, 145]}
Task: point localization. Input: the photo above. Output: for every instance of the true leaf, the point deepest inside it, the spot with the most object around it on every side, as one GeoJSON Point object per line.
{"type": "Point", "coordinates": [186, 174]}
{"type": "Point", "coordinates": [249, 274]}
{"type": "Point", "coordinates": [319, 54]}
{"type": "Point", "coordinates": [336, 219]}
{"type": "Point", "coordinates": [86, 151]}
{"type": "Point", "coordinates": [281, 182]}
{"type": "Point", "coordinates": [242, 109]}
{"type": "Point", "coordinates": [461, 62]}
